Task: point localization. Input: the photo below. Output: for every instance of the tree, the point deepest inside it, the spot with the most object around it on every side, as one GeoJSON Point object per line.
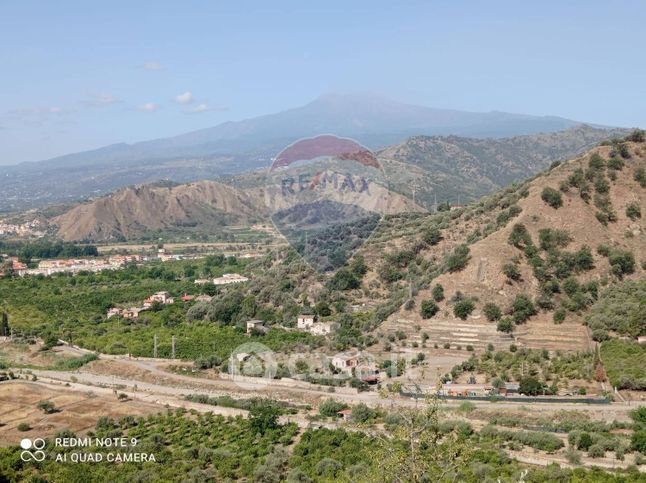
{"type": "Point", "coordinates": [522, 308]}
{"type": "Point", "coordinates": [429, 309]}
{"type": "Point", "coordinates": [552, 197]}
{"type": "Point", "coordinates": [362, 413]}
{"type": "Point", "coordinates": [343, 279]}
{"type": "Point", "coordinates": [46, 406]}
{"type": "Point", "coordinates": [463, 308]}
{"type": "Point", "coordinates": [323, 309]}
{"type": "Point", "coordinates": [416, 450]}
{"type": "Point", "coordinates": [263, 415]}
{"type": "Point", "coordinates": [530, 386]}
{"type": "Point", "coordinates": [5, 330]}
{"type": "Point", "coordinates": [330, 407]}
{"type": "Point", "coordinates": [492, 312]}
{"type": "Point", "coordinates": [584, 441]}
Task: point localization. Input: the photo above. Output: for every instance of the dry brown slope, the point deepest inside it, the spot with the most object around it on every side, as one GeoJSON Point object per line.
{"type": "Point", "coordinates": [483, 277]}
{"type": "Point", "coordinates": [134, 210]}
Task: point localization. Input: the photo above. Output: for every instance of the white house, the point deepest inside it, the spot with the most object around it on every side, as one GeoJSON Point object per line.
{"type": "Point", "coordinates": [228, 278]}
{"type": "Point", "coordinates": [161, 297]}
{"type": "Point", "coordinates": [304, 322]}
{"type": "Point", "coordinates": [345, 361]}
{"type": "Point", "coordinates": [323, 328]}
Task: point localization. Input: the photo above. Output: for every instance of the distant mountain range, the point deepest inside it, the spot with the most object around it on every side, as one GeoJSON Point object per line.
{"type": "Point", "coordinates": [234, 147]}
{"type": "Point", "coordinates": [422, 168]}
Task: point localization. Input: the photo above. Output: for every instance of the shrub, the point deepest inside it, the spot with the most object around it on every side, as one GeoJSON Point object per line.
{"type": "Point", "coordinates": [583, 259]}
{"type": "Point", "coordinates": [596, 162]}
{"type": "Point", "coordinates": [438, 293]}
{"type": "Point", "coordinates": [621, 262]}
{"type": "Point", "coordinates": [458, 259]}
{"type": "Point", "coordinates": [428, 309]}
{"type": "Point", "coordinates": [573, 456]}
{"type": "Point", "coordinates": [519, 236]}
{"type": "Point", "coordinates": [559, 316]}
{"type": "Point", "coordinates": [505, 325]}
{"type": "Point", "coordinates": [463, 308]}
{"type": "Point", "coordinates": [640, 177]}
{"type": "Point", "coordinates": [511, 271]}
{"type": "Point", "coordinates": [550, 239]}
{"type": "Point", "coordinates": [432, 236]}
{"type": "Point", "coordinates": [637, 136]}
{"type": "Point", "coordinates": [552, 197]}
{"type": "Point", "coordinates": [492, 312]}
{"type": "Point", "coordinates": [522, 308]}
{"type": "Point", "coordinates": [624, 152]}
{"type": "Point", "coordinates": [638, 441]}
{"type": "Point", "coordinates": [633, 211]}
{"type": "Point", "coordinates": [639, 415]}
{"type": "Point", "coordinates": [23, 427]}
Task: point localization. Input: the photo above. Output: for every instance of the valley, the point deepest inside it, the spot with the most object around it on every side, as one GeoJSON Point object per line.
{"type": "Point", "coordinates": [485, 310]}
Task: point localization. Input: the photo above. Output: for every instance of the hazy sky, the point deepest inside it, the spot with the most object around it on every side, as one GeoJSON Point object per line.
{"type": "Point", "coordinates": [76, 75]}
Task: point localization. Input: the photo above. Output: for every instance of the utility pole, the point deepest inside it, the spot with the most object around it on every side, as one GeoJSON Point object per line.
{"type": "Point", "coordinates": [173, 345]}
{"type": "Point", "coordinates": [155, 346]}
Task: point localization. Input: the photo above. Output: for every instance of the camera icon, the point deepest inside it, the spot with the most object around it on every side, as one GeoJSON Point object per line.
{"type": "Point", "coordinates": [37, 445]}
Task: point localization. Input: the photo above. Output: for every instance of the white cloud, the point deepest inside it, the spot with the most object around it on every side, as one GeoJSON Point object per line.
{"type": "Point", "coordinates": [203, 107]}
{"type": "Point", "coordinates": [101, 100]}
{"type": "Point", "coordinates": [185, 98]}
{"type": "Point", "coordinates": [152, 65]}
{"type": "Point", "coordinates": [148, 107]}
{"type": "Point", "coordinates": [199, 108]}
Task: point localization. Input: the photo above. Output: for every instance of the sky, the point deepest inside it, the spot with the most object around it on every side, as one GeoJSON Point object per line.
{"type": "Point", "coordinates": [77, 75]}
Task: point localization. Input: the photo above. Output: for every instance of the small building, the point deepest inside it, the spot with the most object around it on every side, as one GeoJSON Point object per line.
{"type": "Point", "coordinates": [345, 361]}
{"type": "Point", "coordinates": [203, 298]}
{"type": "Point", "coordinates": [510, 388]}
{"type": "Point", "coordinates": [257, 325]}
{"type": "Point", "coordinates": [641, 339]}
{"type": "Point", "coordinates": [202, 281]}
{"type": "Point", "coordinates": [229, 278]}
{"type": "Point", "coordinates": [113, 311]}
{"type": "Point", "coordinates": [161, 297]}
{"type": "Point", "coordinates": [466, 390]}
{"type": "Point", "coordinates": [131, 313]}
{"type": "Point", "coordinates": [346, 414]}
{"type": "Point", "coordinates": [304, 322]}
{"type": "Point", "coordinates": [323, 328]}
